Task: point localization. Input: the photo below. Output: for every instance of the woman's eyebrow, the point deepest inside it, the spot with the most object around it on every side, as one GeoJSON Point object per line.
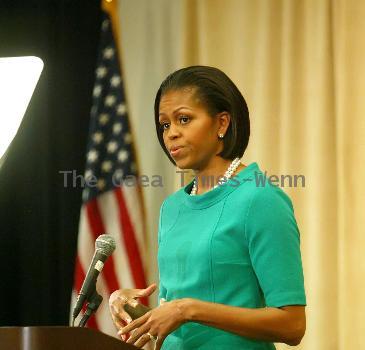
{"type": "Point", "coordinates": [176, 110]}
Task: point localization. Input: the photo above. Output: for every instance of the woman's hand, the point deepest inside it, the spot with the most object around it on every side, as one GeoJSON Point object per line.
{"type": "Point", "coordinates": [157, 323]}
{"type": "Point", "coordinates": [120, 298]}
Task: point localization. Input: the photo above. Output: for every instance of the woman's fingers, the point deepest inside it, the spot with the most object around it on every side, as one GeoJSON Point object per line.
{"type": "Point", "coordinates": [147, 291]}
{"type": "Point", "coordinates": [159, 343]}
{"type": "Point", "coordinates": [134, 324]}
{"type": "Point", "coordinates": [114, 296]}
{"type": "Point", "coordinates": [118, 322]}
{"type": "Point", "coordinates": [142, 341]}
{"type": "Point", "coordinates": [120, 319]}
{"type": "Point", "coordinates": [138, 333]}
{"type": "Point", "coordinates": [117, 302]}
{"type": "Point", "coordinates": [120, 314]}
{"type": "Point", "coordinates": [122, 296]}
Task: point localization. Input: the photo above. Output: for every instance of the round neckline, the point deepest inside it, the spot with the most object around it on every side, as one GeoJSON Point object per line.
{"type": "Point", "coordinates": [209, 198]}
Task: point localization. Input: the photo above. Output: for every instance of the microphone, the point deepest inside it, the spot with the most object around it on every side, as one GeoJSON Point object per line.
{"type": "Point", "coordinates": [104, 247]}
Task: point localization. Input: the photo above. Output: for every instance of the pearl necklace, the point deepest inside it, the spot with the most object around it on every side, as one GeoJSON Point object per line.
{"type": "Point", "coordinates": [227, 175]}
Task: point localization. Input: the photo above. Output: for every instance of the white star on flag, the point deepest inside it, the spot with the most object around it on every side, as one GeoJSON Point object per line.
{"type": "Point", "coordinates": [122, 155]}
{"type": "Point", "coordinates": [101, 72]}
{"type": "Point", "coordinates": [112, 146]}
{"type": "Point", "coordinates": [118, 174]}
{"type": "Point", "coordinates": [108, 52]}
{"type": "Point", "coordinates": [121, 109]}
{"type": "Point", "coordinates": [115, 81]}
{"type": "Point", "coordinates": [117, 128]}
{"type": "Point", "coordinates": [106, 166]}
{"type": "Point", "coordinates": [88, 174]}
{"type": "Point", "coordinates": [105, 24]}
{"type": "Point", "coordinates": [104, 118]}
{"type": "Point", "coordinates": [97, 91]}
{"type": "Point", "coordinates": [92, 155]}
{"type": "Point", "coordinates": [98, 137]}
{"type": "Point", "coordinates": [110, 100]}
{"type": "Point", "coordinates": [101, 184]}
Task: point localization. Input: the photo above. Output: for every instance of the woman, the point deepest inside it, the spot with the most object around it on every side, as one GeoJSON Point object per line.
{"type": "Point", "coordinates": [229, 249]}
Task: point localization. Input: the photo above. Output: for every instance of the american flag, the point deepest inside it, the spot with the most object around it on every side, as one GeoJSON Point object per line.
{"type": "Point", "coordinates": [112, 201]}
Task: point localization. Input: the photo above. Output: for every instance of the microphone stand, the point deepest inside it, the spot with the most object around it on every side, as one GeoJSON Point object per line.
{"type": "Point", "coordinates": [93, 303]}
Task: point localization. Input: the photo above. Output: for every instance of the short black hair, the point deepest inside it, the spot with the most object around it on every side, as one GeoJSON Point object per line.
{"type": "Point", "coordinates": [219, 94]}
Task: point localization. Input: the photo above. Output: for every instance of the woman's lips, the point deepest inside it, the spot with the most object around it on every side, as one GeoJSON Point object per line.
{"type": "Point", "coordinates": [175, 151]}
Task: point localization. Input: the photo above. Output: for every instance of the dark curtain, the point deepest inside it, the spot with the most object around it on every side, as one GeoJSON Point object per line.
{"type": "Point", "coordinates": [38, 216]}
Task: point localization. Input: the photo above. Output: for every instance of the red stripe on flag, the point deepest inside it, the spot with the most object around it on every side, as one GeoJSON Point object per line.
{"type": "Point", "coordinates": [79, 279]}
{"type": "Point", "coordinates": [97, 228]}
{"type": "Point", "coordinates": [94, 218]}
{"type": "Point", "coordinates": [131, 245]}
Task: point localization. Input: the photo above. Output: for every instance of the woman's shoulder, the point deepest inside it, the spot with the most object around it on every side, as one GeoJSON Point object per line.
{"type": "Point", "coordinates": [255, 186]}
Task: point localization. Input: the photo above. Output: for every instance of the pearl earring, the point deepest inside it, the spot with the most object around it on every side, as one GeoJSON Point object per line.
{"type": "Point", "coordinates": [220, 136]}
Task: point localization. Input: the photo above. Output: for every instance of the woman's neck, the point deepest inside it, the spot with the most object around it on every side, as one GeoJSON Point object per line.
{"type": "Point", "coordinates": [209, 176]}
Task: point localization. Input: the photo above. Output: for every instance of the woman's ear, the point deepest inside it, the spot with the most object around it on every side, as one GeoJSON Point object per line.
{"type": "Point", "coordinates": [224, 120]}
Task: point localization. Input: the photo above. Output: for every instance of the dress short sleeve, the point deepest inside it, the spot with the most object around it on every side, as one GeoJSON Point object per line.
{"type": "Point", "coordinates": [274, 247]}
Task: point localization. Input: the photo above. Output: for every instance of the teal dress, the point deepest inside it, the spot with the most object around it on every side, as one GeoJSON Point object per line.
{"type": "Point", "coordinates": [237, 244]}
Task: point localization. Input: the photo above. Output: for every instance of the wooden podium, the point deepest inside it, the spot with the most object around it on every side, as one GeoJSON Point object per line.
{"type": "Point", "coordinates": [58, 338]}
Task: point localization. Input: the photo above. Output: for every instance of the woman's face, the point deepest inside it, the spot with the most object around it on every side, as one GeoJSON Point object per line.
{"type": "Point", "coordinates": [190, 134]}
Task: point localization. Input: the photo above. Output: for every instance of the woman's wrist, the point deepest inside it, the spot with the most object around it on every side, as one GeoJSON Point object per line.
{"type": "Point", "coordinates": [186, 307]}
